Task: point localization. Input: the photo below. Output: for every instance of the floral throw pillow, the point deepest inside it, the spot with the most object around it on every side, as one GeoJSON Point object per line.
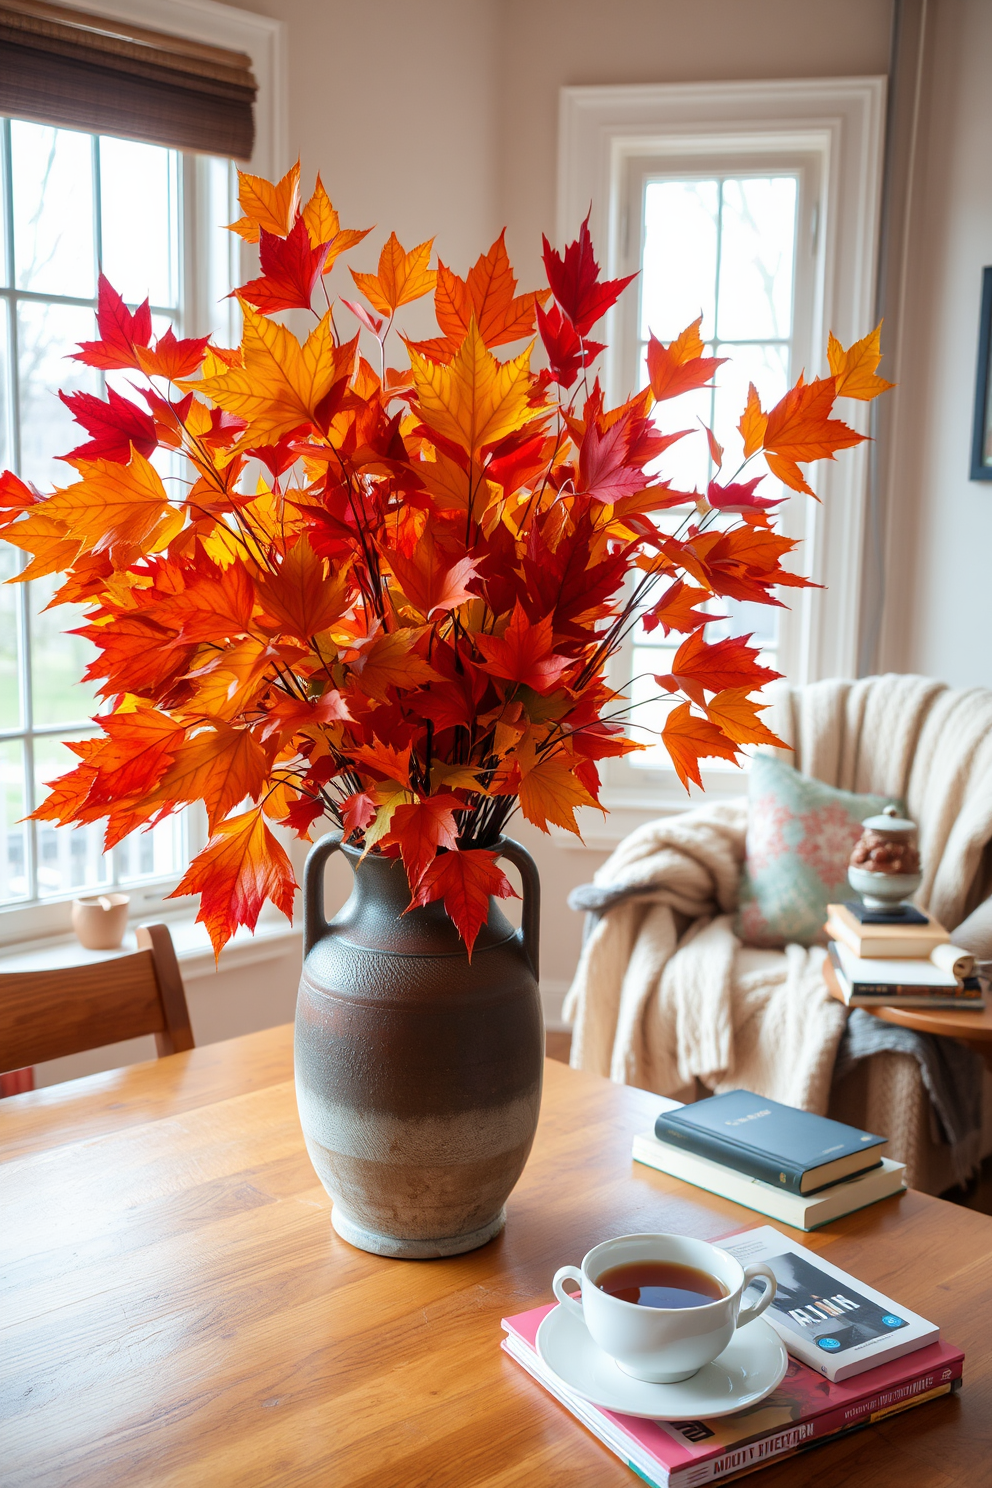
{"type": "Point", "coordinates": [800, 833]}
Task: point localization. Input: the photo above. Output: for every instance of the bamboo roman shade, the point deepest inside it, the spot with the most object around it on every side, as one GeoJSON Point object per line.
{"type": "Point", "coordinates": [83, 71]}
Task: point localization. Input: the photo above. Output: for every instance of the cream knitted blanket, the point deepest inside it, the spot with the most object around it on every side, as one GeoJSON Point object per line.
{"type": "Point", "coordinates": [665, 993]}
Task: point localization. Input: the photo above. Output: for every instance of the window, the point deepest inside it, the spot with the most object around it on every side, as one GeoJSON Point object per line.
{"type": "Point", "coordinates": [723, 245]}
{"type": "Point", "coordinates": [74, 203]}
{"type": "Point", "coordinates": [755, 204]}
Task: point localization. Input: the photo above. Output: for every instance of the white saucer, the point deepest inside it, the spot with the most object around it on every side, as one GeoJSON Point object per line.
{"type": "Point", "coordinates": [749, 1368]}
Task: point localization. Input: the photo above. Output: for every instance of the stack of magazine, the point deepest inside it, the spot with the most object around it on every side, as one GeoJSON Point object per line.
{"type": "Point", "coordinates": [898, 958]}
{"type": "Point", "coordinates": [856, 1357]}
{"type": "Point", "coordinates": [792, 1165]}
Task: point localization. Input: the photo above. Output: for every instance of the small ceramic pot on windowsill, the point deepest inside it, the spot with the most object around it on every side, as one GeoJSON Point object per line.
{"type": "Point", "coordinates": [100, 920]}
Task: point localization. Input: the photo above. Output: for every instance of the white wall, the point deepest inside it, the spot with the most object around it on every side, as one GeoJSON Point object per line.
{"type": "Point", "coordinates": [940, 523]}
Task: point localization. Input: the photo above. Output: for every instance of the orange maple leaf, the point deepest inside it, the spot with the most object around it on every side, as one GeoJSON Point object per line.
{"type": "Point", "coordinates": [488, 294]}
{"type": "Point", "coordinates": [737, 715]}
{"type": "Point", "coordinates": [391, 661]}
{"type": "Point", "coordinates": [475, 400]}
{"type": "Point", "coordinates": [729, 663]}
{"type": "Point", "coordinates": [549, 791]}
{"type": "Point", "coordinates": [855, 369]}
{"type": "Point", "coordinates": [689, 738]}
{"type": "Point", "coordinates": [401, 276]}
{"type": "Point", "coordinates": [299, 597]}
{"type": "Point", "coordinates": [464, 879]}
{"type": "Point", "coordinates": [241, 866]}
{"type": "Point", "coordinates": [220, 766]}
{"type": "Point", "coordinates": [676, 609]}
{"type": "Point", "coordinates": [799, 428]}
{"type": "Point", "coordinates": [753, 423]}
{"type": "Point", "coordinates": [680, 366]}
{"type": "Point", "coordinates": [268, 205]}
{"type": "Point", "coordinates": [324, 227]}
{"type": "Point", "coordinates": [430, 579]}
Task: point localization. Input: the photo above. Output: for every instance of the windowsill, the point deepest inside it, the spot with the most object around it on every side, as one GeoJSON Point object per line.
{"type": "Point", "coordinates": [273, 937]}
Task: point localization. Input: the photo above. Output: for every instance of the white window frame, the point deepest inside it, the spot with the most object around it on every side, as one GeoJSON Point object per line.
{"type": "Point", "coordinates": [837, 126]}
{"type": "Point", "coordinates": [263, 40]}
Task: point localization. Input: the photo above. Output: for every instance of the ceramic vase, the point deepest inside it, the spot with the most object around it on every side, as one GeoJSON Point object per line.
{"type": "Point", "coordinates": [418, 1071]}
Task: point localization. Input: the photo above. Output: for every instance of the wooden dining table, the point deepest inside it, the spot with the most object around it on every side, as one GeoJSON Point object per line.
{"type": "Point", "coordinates": [177, 1309]}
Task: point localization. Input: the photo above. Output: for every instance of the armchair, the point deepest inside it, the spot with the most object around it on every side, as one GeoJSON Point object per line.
{"type": "Point", "coordinates": [666, 996]}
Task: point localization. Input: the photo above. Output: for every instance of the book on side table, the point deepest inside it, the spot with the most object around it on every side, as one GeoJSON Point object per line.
{"type": "Point", "coordinates": [885, 936]}
{"type": "Point", "coordinates": [873, 982]}
{"type": "Point", "coordinates": [805, 1409]}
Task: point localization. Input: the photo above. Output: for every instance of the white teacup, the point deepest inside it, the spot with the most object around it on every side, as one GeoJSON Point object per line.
{"type": "Point", "coordinates": [662, 1344]}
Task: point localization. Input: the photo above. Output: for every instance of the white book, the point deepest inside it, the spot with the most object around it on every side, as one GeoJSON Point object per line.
{"type": "Point", "coordinates": [946, 1001]}
{"type": "Point", "coordinates": [801, 1211]}
{"type": "Point", "coordinates": [833, 1323]}
{"type": "Point", "coordinates": [905, 973]}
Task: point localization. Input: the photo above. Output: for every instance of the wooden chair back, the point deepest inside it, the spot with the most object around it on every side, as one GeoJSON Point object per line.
{"type": "Point", "coordinates": [49, 1014]}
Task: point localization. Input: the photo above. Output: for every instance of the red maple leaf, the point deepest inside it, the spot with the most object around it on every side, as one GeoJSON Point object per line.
{"type": "Point", "coordinates": [464, 879]}
{"type": "Point", "coordinates": [420, 828]}
{"type": "Point", "coordinates": [121, 333]}
{"type": "Point", "coordinates": [290, 269]}
{"type": "Point", "coordinates": [524, 653]}
{"type": "Point", "coordinates": [115, 425]}
{"type": "Point", "coordinates": [739, 497]}
{"type": "Point", "coordinates": [567, 355]}
{"type": "Point", "coordinates": [574, 281]}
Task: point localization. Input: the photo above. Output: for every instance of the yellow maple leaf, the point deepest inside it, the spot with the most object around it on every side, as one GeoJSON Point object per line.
{"type": "Point", "coordinates": [280, 382]}
{"type": "Point", "coordinates": [854, 370]}
{"type": "Point", "coordinates": [401, 276]}
{"type": "Point", "coordinates": [116, 504]}
{"type": "Point", "coordinates": [474, 400]}
{"type": "Point", "coordinates": [268, 205]}
{"type": "Point", "coordinates": [324, 226]}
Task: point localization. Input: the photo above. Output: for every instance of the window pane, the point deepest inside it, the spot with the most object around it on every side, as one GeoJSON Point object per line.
{"type": "Point", "coordinates": [10, 604]}
{"type": "Point", "coordinates": [6, 459]}
{"type": "Point", "coordinates": [680, 254]}
{"type": "Point", "coordinates": [139, 209]}
{"type": "Point", "coordinates": [756, 258]}
{"type": "Point", "coordinates": [53, 209]}
{"type": "Point", "coordinates": [13, 858]}
{"type": "Point", "coordinates": [58, 660]}
{"type": "Point", "coordinates": [47, 335]}
{"type": "Point", "coordinates": [68, 857]}
{"type": "Point", "coordinates": [154, 854]}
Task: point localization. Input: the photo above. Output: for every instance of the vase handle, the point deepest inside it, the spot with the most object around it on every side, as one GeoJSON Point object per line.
{"type": "Point", "coordinates": [531, 918]}
{"type": "Point", "coordinates": [314, 924]}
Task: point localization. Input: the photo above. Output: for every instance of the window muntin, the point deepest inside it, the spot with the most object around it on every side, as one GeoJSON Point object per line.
{"type": "Point", "coordinates": [71, 203]}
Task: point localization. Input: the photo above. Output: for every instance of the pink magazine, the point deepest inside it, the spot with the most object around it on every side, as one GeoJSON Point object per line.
{"type": "Point", "coordinates": [802, 1411]}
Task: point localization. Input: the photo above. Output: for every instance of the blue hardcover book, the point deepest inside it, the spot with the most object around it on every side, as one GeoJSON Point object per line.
{"type": "Point", "coordinates": [792, 1149]}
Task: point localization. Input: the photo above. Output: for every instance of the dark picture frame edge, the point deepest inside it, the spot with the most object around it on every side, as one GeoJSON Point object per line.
{"type": "Point", "coordinates": [981, 468]}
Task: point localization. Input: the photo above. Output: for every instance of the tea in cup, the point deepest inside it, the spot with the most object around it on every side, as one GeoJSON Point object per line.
{"type": "Point", "coordinates": [662, 1305]}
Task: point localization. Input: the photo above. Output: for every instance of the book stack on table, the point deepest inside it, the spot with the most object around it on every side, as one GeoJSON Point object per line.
{"type": "Point", "coordinates": [857, 1357]}
{"type": "Point", "coordinates": [793, 1165]}
{"type": "Point", "coordinates": [904, 959]}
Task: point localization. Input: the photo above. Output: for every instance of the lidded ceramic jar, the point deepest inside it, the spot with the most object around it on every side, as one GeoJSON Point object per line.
{"type": "Point", "coordinates": [884, 867]}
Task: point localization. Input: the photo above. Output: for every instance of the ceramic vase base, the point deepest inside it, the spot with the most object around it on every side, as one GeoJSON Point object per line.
{"type": "Point", "coordinates": [413, 1250]}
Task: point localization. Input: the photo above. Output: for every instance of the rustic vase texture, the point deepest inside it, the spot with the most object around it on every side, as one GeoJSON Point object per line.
{"type": "Point", "coordinates": [418, 1072]}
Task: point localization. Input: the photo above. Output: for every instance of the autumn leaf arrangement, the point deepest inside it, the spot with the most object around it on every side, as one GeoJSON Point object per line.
{"type": "Point", "coordinates": [321, 585]}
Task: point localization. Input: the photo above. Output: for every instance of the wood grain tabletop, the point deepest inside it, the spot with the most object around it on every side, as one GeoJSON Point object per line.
{"type": "Point", "coordinates": [178, 1310]}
